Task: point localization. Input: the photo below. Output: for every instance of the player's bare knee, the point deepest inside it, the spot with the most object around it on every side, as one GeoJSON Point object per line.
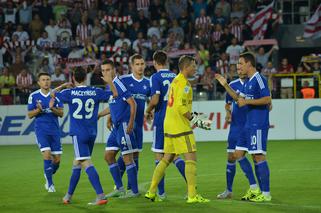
{"type": "Point", "coordinates": [46, 155]}
{"type": "Point", "coordinates": [169, 157]}
{"type": "Point", "coordinates": [110, 157]}
{"type": "Point", "coordinates": [128, 159]}
{"type": "Point", "coordinates": [190, 156]}
{"type": "Point", "coordinates": [258, 157]}
{"type": "Point", "coordinates": [231, 158]}
{"type": "Point", "coordinates": [159, 156]}
{"type": "Point", "coordinates": [238, 154]}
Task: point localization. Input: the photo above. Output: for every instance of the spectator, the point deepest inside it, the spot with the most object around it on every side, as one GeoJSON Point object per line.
{"type": "Point", "coordinates": [217, 33]}
{"type": "Point", "coordinates": [64, 32]}
{"type": "Point", "coordinates": [19, 52]}
{"type": "Point", "coordinates": [138, 44]}
{"type": "Point", "coordinates": [204, 55]}
{"type": "Point", "coordinates": [177, 30]}
{"type": "Point", "coordinates": [36, 27]}
{"type": "Point", "coordinates": [234, 51]}
{"type": "Point", "coordinates": [203, 21]}
{"type": "Point", "coordinates": [43, 41]}
{"type": "Point", "coordinates": [97, 29]}
{"type": "Point", "coordinates": [58, 77]}
{"type": "Point", "coordinates": [90, 49]}
{"type": "Point", "coordinates": [175, 8]}
{"type": "Point", "coordinates": [59, 9]}
{"type": "Point", "coordinates": [143, 21]}
{"type": "Point", "coordinates": [236, 29]}
{"type": "Point", "coordinates": [314, 68]}
{"type": "Point", "coordinates": [154, 30]}
{"type": "Point", "coordinates": [185, 22]}
{"type": "Point", "coordinates": [207, 80]}
{"type": "Point", "coordinates": [22, 34]}
{"type": "Point", "coordinates": [155, 9]}
{"type": "Point", "coordinates": [24, 84]}
{"type": "Point", "coordinates": [300, 70]}
{"type": "Point", "coordinates": [10, 13]}
{"type": "Point", "coordinates": [44, 67]}
{"type": "Point", "coordinates": [104, 40]}
{"type": "Point", "coordinates": [130, 10]}
{"type": "Point", "coordinates": [17, 66]}
{"type": "Point", "coordinates": [307, 92]}
{"type": "Point", "coordinates": [285, 67]}
{"type": "Point", "coordinates": [134, 31]}
{"type": "Point", "coordinates": [76, 53]}
{"type": "Point", "coordinates": [262, 57]}
{"type": "Point", "coordinates": [222, 66]}
{"type": "Point", "coordinates": [45, 12]}
{"type": "Point", "coordinates": [237, 11]}
{"type": "Point", "coordinates": [84, 29]}
{"type": "Point", "coordinates": [198, 5]}
{"type": "Point", "coordinates": [119, 42]}
{"type": "Point", "coordinates": [219, 18]}
{"type": "Point", "coordinates": [226, 38]}
{"type": "Point", "coordinates": [52, 30]}
{"type": "Point", "coordinates": [75, 16]}
{"type": "Point", "coordinates": [7, 81]}
{"type": "Point", "coordinates": [225, 7]}
{"type": "Point", "coordinates": [268, 72]}
{"type": "Point", "coordinates": [25, 12]}
{"type": "Point", "coordinates": [2, 52]}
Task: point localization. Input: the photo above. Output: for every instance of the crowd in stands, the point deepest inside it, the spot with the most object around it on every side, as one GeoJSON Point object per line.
{"type": "Point", "coordinates": [56, 35]}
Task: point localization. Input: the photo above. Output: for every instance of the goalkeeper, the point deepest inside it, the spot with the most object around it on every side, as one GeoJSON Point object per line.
{"type": "Point", "coordinates": [179, 137]}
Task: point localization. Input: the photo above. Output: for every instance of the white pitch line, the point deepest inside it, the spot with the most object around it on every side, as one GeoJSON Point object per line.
{"type": "Point", "coordinates": [142, 186]}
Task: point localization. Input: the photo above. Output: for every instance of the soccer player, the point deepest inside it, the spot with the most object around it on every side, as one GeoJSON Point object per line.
{"type": "Point", "coordinates": [46, 111]}
{"type": "Point", "coordinates": [139, 87]}
{"type": "Point", "coordinates": [160, 83]}
{"type": "Point", "coordinates": [258, 100]}
{"type": "Point", "coordinates": [83, 102]}
{"type": "Point", "coordinates": [179, 137]}
{"type": "Point", "coordinates": [237, 117]}
{"type": "Point", "coordinates": [122, 111]}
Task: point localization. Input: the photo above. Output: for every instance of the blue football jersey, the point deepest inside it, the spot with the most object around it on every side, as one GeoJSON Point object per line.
{"type": "Point", "coordinates": [159, 83]}
{"type": "Point", "coordinates": [255, 88]}
{"type": "Point", "coordinates": [45, 122]}
{"type": "Point", "coordinates": [83, 102]}
{"type": "Point", "coordinates": [140, 90]}
{"type": "Point", "coordinates": [238, 113]}
{"type": "Point", "coordinates": [119, 108]}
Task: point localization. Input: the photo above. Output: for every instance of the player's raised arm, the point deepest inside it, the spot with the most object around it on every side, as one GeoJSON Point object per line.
{"type": "Point", "coordinates": [227, 87]}
{"type": "Point", "coordinates": [133, 106]}
{"type": "Point", "coordinates": [108, 78]}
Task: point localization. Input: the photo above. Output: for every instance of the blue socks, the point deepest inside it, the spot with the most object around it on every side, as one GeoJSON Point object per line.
{"type": "Point", "coordinates": [247, 169]}
{"type": "Point", "coordinates": [121, 165]}
{"type": "Point", "coordinates": [48, 171]}
{"type": "Point", "coordinates": [55, 167]}
{"type": "Point", "coordinates": [94, 179]}
{"type": "Point", "coordinates": [230, 173]}
{"type": "Point", "coordinates": [161, 184]}
{"type": "Point", "coordinates": [74, 179]}
{"type": "Point", "coordinates": [132, 177]}
{"type": "Point", "coordinates": [180, 165]}
{"type": "Point", "coordinates": [263, 173]}
{"type": "Point", "coordinates": [257, 175]}
{"type": "Point", "coordinates": [115, 173]}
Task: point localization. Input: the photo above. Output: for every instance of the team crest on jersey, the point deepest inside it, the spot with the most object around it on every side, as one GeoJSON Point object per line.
{"type": "Point", "coordinates": [131, 85]}
{"type": "Point", "coordinates": [145, 87]}
{"type": "Point", "coordinates": [186, 89]}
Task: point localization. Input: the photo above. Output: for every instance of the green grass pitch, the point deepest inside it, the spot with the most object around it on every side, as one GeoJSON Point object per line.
{"type": "Point", "coordinates": [295, 181]}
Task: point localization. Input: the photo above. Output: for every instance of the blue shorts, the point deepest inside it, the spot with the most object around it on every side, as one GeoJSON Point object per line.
{"type": "Point", "coordinates": [257, 141]}
{"type": "Point", "coordinates": [253, 140]}
{"type": "Point", "coordinates": [83, 146]}
{"type": "Point", "coordinates": [138, 132]}
{"type": "Point", "coordinates": [49, 142]}
{"type": "Point", "coordinates": [233, 138]}
{"type": "Point", "coordinates": [120, 140]}
{"type": "Point", "coordinates": [158, 139]}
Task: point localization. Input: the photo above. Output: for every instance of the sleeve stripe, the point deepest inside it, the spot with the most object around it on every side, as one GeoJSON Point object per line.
{"type": "Point", "coordinates": [260, 81]}
{"type": "Point", "coordinates": [120, 84]}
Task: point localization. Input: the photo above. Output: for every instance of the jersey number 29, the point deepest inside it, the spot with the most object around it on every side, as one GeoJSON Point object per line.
{"type": "Point", "coordinates": [166, 83]}
{"type": "Point", "coordinates": [89, 108]}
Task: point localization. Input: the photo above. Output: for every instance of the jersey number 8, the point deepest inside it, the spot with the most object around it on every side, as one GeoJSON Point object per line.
{"type": "Point", "coordinates": [89, 108]}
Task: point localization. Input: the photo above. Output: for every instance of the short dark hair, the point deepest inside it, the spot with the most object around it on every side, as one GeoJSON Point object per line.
{"type": "Point", "coordinates": [108, 61]}
{"type": "Point", "coordinates": [248, 57]}
{"type": "Point", "coordinates": [185, 61]}
{"type": "Point", "coordinates": [134, 57]}
{"type": "Point", "coordinates": [42, 74]}
{"type": "Point", "coordinates": [160, 57]}
{"type": "Point", "coordinates": [80, 74]}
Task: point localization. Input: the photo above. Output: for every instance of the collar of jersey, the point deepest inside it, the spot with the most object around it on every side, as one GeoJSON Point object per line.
{"type": "Point", "coordinates": [139, 80]}
{"type": "Point", "coordinates": [81, 86]}
{"type": "Point", "coordinates": [163, 70]}
{"type": "Point", "coordinates": [256, 73]}
{"type": "Point", "coordinates": [44, 94]}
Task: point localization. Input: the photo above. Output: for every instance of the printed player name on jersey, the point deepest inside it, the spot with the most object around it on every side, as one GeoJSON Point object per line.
{"type": "Point", "coordinates": [168, 75]}
{"type": "Point", "coordinates": [83, 93]}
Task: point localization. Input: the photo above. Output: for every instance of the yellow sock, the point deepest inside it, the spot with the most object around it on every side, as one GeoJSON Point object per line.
{"type": "Point", "coordinates": [190, 174]}
{"type": "Point", "coordinates": [159, 173]}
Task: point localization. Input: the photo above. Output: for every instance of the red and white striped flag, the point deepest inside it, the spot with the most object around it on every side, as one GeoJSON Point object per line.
{"type": "Point", "coordinates": [142, 4]}
{"type": "Point", "coordinates": [259, 21]}
{"type": "Point", "coordinates": [312, 27]}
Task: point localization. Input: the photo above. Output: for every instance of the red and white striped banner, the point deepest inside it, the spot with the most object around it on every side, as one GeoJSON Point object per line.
{"type": "Point", "coordinates": [178, 53]}
{"type": "Point", "coordinates": [119, 59]}
{"type": "Point", "coordinates": [12, 45]}
{"type": "Point", "coordinates": [109, 49]}
{"type": "Point", "coordinates": [142, 4]}
{"type": "Point", "coordinates": [118, 19]}
{"type": "Point", "coordinates": [259, 21]}
{"type": "Point", "coordinates": [312, 27]}
{"type": "Point", "coordinates": [260, 42]}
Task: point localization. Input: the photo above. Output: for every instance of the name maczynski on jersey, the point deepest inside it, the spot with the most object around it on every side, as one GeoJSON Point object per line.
{"type": "Point", "coordinates": [83, 93]}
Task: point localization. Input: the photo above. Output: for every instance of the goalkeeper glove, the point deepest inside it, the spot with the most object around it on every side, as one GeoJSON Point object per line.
{"type": "Point", "coordinates": [200, 121]}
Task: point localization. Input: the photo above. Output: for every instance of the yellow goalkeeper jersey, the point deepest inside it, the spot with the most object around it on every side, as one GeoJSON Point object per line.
{"type": "Point", "coordinates": [179, 102]}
